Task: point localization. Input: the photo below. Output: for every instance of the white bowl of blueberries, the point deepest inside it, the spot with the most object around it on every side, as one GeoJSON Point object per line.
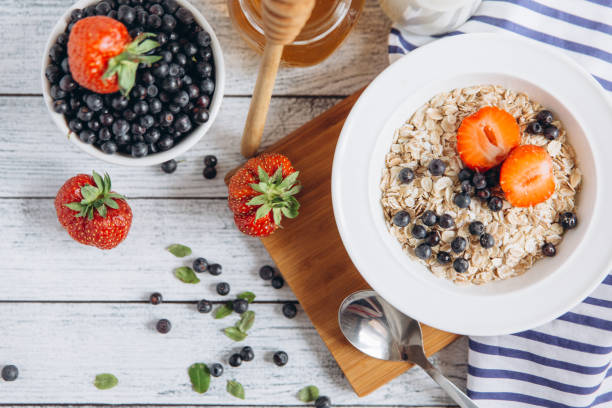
{"type": "Point", "coordinates": [170, 102]}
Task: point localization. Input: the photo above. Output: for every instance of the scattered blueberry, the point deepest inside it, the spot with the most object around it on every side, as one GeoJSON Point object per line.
{"type": "Point", "coordinates": [280, 358]}
{"type": "Point", "coordinates": [405, 175]}
{"type": "Point", "coordinates": [277, 282]}
{"type": "Point", "coordinates": [323, 402]}
{"type": "Point", "coordinates": [210, 160]}
{"type": "Point", "coordinates": [10, 373]}
{"type": "Point", "coordinates": [235, 360]}
{"type": "Point", "coordinates": [433, 238]}
{"type": "Point", "coordinates": [479, 181]}
{"type": "Point", "coordinates": [216, 370]}
{"type": "Point", "coordinates": [423, 251]}
{"type": "Point", "coordinates": [458, 245]}
{"type": "Point", "coordinates": [495, 203]}
{"type": "Point", "coordinates": [429, 218]}
{"type": "Point", "coordinates": [483, 194]}
{"type": "Point", "coordinates": [443, 257]}
{"type": "Point", "coordinates": [476, 228]}
{"type": "Point", "coordinates": [492, 176]}
{"type": "Point", "coordinates": [551, 132]}
{"type": "Point", "coordinates": [535, 128]}
{"type": "Point", "coordinates": [465, 174]}
{"type": "Point", "coordinates": [568, 220]}
{"type": "Point", "coordinates": [545, 117]}
{"type": "Point", "coordinates": [223, 288]}
{"type": "Point", "coordinates": [240, 306]}
{"type": "Point", "coordinates": [549, 249]}
{"type": "Point", "coordinates": [437, 167]}
{"type": "Point", "coordinates": [289, 310]}
{"type": "Point", "coordinates": [487, 240]}
{"type": "Point", "coordinates": [168, 166]}
{"type": "Point", "coordinates": [247, 353]}
{"type": "Point", "coordinates": [266, 272]}
{"type": "Point", "coordinates": [215, 269]}
{"type": "Point", "coordinates": [462, 200]}
{"type": "Point", "coordinates": [204, 306]}
{"type": "Point", "coordinates": [200, 265]}
{"type": "Point", "coordinates": [446, 221]}
{"type": "Point", "coordinates": [467, 187]}
{"type": "Point", "coordinates": [460, 265]}
{"type": "Point", "coordinates": [163, 326]}
{"type": "Point", "coordinates": [401, 219]}
{"type": "Point", "coordinates": [419, 231]}
{"type": "Point", "coordinates": [209, 173]}
{"type": "Point", "coordinates": [156, 298]}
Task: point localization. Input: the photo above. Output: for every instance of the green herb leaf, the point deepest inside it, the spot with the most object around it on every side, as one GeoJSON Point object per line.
{"type": "Point", "coordinates": [178, 250]}
{"type": "Point", "coordinates": [248, 296]}
{"type": "Point", "coordinates": [224, 310]}
{"type": "Point", "coordinates": [235, 389]}
{"type": "Point", "coordinates": [199, 374]}
{"type": "Point", "coordinates": [235, 334]}
{"type": "Point", "coordinates": [246, 321]}
{"type": "Point", "coordinates": [308, 394]}
{"type": "Point", "coordinates": [186, 274]}
{"type": "Point", "coordinates": [105, 381]}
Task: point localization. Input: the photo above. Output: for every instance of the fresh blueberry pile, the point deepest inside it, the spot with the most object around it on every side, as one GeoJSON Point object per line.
{"type": "Point", "coordinates": [170, 98]}
{"type": "Point", "coordinates": [543, 125]}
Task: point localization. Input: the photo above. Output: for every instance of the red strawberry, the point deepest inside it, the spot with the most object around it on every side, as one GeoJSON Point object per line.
{"type": "Point", "coordinates": [485, 138]}
{"type": "Point", "coordinates": [91, 213]}
{"type": "Point", "coordinates": [261, 192]}
{"type": "Point", "coordinates": [527, 176]}
{"type": "Point", "coordinates": [102, 56]}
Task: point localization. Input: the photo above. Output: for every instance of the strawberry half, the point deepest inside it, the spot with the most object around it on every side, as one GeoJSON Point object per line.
{"type": "Point", "coordinates": [485, 138]}
{"type": "Point", "coordinates": [527, 176]}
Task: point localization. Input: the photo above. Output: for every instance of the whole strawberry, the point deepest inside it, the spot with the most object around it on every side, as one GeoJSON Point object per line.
{"type": "Point", "coordinates": [92, 213]}
{"type": "Point", "coordinates": [261, 192]}
{"type": "Point", "coordinates": [102, 56]}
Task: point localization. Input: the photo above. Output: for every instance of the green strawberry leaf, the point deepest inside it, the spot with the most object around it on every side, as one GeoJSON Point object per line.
{"type": "Point", "coordinates": [89, 193]}
{"type": "Point", "coordinates": [278, 175]}
{"type": "Point", "coordinates": [256, 187]}
{"type": "Point", "coordinates": [179, 250]}
{"type": "Point", "coordinates": [235, 389]}
{"type": "Point", "coordinates": [105, 381]}
{"type": "Point", "coordinates": [248, 296]}
{"type": "Point", "coordinates": [290, 212]}
{"type": "Point", "coordinates": [258, 200]}
{"type": "Point", "coordinates": [308, 393]}
{"type": "Point", "coordinates": [224, 310]}
{"type": "Point", "coordinates": [101, 208]}
{"type": "Point", "coordinates": [289, 180]}
{"type": "Point", "coordinates": [263, 176]}
{"type": "Point", "coordinates": [246, 321]}
{"type": "Point", "coordinates": [74, 206]}
{"type": "Point", "coordinates": [278, 215]}
{"type": "Point", "coordinates": [98, 181]}
{"type": "Point", "coordinates": [199, 374]}
{"type": "Point", "coordinates": [111, 203]}
{"type": "Point", "coordinates": [186, 274]}
{"type": "Point", "coordinates": [235, 334]}
{"type": "Point", "coordinates": [263, 211]}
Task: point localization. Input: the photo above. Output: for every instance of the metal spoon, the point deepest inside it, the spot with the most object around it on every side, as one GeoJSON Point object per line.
{"type": "Point", "coordinates": [381, 331]}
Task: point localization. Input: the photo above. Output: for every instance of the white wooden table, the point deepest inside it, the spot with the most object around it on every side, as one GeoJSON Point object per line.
{"type": "Point", "coordinates": [69, 312]}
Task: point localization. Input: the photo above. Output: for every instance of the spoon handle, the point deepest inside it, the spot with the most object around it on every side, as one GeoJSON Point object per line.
{"type": "Point", "coordinates": [451, 389]}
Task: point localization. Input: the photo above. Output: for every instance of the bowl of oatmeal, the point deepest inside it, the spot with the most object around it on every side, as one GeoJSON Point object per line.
{"type": "Point", "coordinates": [474, 240]}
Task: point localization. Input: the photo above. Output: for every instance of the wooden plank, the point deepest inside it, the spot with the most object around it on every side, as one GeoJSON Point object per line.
{"type": "Point", "coordinates": [28, 23]}
{"type": "Point", "coordinates": [59, 348]}
{"type": "Point", "coordinates": [38, 159]}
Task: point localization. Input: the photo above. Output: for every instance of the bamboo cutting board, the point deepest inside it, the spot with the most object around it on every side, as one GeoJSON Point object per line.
{"type": "Point", "coordinates": [312, 259]}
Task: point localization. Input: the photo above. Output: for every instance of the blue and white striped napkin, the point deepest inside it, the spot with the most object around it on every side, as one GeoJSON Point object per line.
{"type": "Point", "coordinates": [565, 363]}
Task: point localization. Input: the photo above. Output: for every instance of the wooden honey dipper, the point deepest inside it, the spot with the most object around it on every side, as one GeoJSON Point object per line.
{"type": "Point", "coordinates": [282, 22]}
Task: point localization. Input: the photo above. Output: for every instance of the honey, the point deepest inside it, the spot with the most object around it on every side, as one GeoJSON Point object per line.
{"type": "Point", "coordinates": [330, 23]}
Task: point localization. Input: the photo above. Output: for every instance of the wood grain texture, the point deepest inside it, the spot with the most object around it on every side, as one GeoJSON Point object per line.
{"type": "Point", "coordinates": [28, 23]}
{"type": "Point", "coordinates": [35, 159]}
{"type": "Point", "coordinates": [59, 349]}
{"type": "Point", "coordinates": [312, 258]}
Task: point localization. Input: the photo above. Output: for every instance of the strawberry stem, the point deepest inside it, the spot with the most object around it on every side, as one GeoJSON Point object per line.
{"type": "Point", "coordinates": [96, 198]}
{"type": "Point", "coordinates": [276, 195]}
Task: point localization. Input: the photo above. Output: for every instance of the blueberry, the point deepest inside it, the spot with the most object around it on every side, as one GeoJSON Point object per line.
{"type": "Point", "coordinates": [161, 70]}
{"type": "Point", "coordinates": [446, 221]}
{"type": "Point", "coordinates": [535, 128]}
{"type": "Point", "coordinates": [467, 187]}
{"type": "Point", "coordinates": [401, 219]}
{"type": "Point", "coordinates": [204, 306]}
{"type": "Point", "coordinates": [85, 114]}
{"type": "Point", "coordinates": [165, 144]}
{"type": "Point", "coordinates": [168, 23]}
{"type": "Point", "coordinates": [138, 130]}
{"type": "Point", "coordinates": [109, 147]}
{"type": "Point", "coordinates": [146, 121]}
{"type": "Point", "coordinates": [492, 176]}
{"type": "Point", "coordinates": [103, 8]}
{"type": "Point", "coordinates": [155, 105]}
{"type": "Point", "coordinates": [139, 92]}
{"type": "Point", "coordinates": [201, 116]}
{"type": "Point", "coordinates": [139, 150]}
{"type": "Point", "coordinates": [209, 173]}
{"type": "Point", "coordinates": [10, 373]}
{"type": "Point", "coordinates": [443, 257]}
{"type": "Point", "coordinates": [495, 203]}
{"type": "Point", "coordinates": [181, 98]}
{"type": "Point", "coordinates": [174, 108]}
{"type": "Point", "coordinates": [105, 134]}
{"type": "Point", "coordinates": [484, 194]}
{"type": "Point", "coordinates": [247, 353]}
{"type": "Point", "coordinates": [551, 132]}
{"type": "Point", "coordinates": [152, 136]}
{"type": "Point", "coordinates": [93, 125]}
{"type": "Point", "coordinates": [141, 108]}
{"type": "Point", "coordinates": [191, 50]}
{"type": "Point", "coordinates": [419, 231]}
{"type": "Point", "coordinates": [154, 21]}
{"type": "Point", "coordinates": [203, 39]}
{"type": "Point", "coordinates": [174, 47]}
{"type": "Point", "coordinates": [65, 65]}
{"type": "Point", "coordinates": [479, 181]}
{"type": "Point", "coordinates": [166, 118]}
{"type": "Point", "coordinates": [216, 370]}
{"type": "Point", "coordinates": [106, 119]}
{"type": "Point", "coordinates": [437, 167]}
{"type": "Point", "coordinates": [289, 310]}
{"type": "Point", "coordinates": [122, 139]}
{"type": "Point", "coordinates": [549, 249]}
{"type": "Point", "coordinates": [460, 265]}
{"type": "Point", "coordinates": [405, 175]}
{"type": "Point", "coordinates": [87, 136]}
{"type": "Point", "coordinates": [487, 240]}
{"type": "Point", "coordinates": [207, 86]}
{"type": "Point", "coordinates": [56, 92]}
{"type": "Point", "coordinates": [240, 306]}
{"type": "Point", "coordinates": [126, 14]}
{"type": "Point", "coordinates": [156, 298]}
{"type": "Point", "coordinates": [462, 200]}
{"type": "Point", "coordinates": [187, 80]}
{"type": "Point", "coordinates": [204, 69]}
{"type": "Point", "coordinates": [53, 73]}
{"type": "Point", "coordinates": [210, 160]}
{"type": "Point", "coordinates": [156, 9]}
{"type": "Point", "coordinates": [185, 16]}
{"type": "Point", "coordinates": [205, 53]}
{"type": "Point", "coordinates": [433, 238]}
{"type": "Point", "coordinates": [235, 360]}
{"type": "Point", "coordinates": [193, 91]}
{"type": "Point", "coordinates": [174, 70]}
{"type": "Point", "coordinates": [545, 117]}
{"type": "Point", "coordinates": [277, 282]}
{"type": "Point", "coordinates": [458, 245]}
{"type": "Point", "coordinates": [200, 264]}
{"type": "Point", "coordinates": [56, 53]}
{"type": "Point", "coordinates": [568, 220]}
{"type": "Point", "coordinates": [75, 125]}
{"type": "Point", "coordinates": [323, 402]}
{"type": "Point", "coordinates": [465, 174]}
{"type": "Point", "coordinates": [223, 288]}
{"type": "Point", "coordinates": [170, 84]}
{"type": "Point", "coordinates": [476, 228]}
{"type": "Point", "coordinates": [61, 106]}
{"type": "Point", "coordinates": [170, 5]}
{"type": "Point", "coordinates": [280, 358]}
{"type": "Point", "coordinates": [266, 272]}
{"type": "Point", "coordinates": [163, 326]}
{"type": "Point", "coordinates": [429, 218]}
{"type": "Point", "coordinates": [423, 251]}
{"type": "Point", "coordinates": [119, 102]}
{"type": "Point", "coordinates": [76, 14]}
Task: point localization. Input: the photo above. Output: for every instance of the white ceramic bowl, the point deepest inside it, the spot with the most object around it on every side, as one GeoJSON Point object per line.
{"type": "Point", "coordinates": [196, 134]}
{"type": "Point", "coordinates": [553, 285]}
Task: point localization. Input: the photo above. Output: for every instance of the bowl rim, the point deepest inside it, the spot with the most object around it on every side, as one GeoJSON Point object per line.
{"type": "Point", "coordinates": [370, 256]}
{"type": "Point", "coordinates": [160, 157]}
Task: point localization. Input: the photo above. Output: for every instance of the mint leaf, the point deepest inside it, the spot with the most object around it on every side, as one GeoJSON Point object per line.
{"type": "Point", "coordinates": [105, 381]}
{"type": "Point", "coordinates": [235, 389]}
{"type": "Point", "coordinates": [186, 274]}
{"type": "Point", "coordinates": [248, 296]}
{"type": "Point", "coordinates": [308, 394]}
{"type": "Point", "coordinates": [246, 321]}
{"type": "Point", "coordinates": [224, 310]}
{"type": "Point", "coordinates": [235, 334]}
{"type": "Point", "coordinates": [199, 374]}
{"type": "Point", "coordinates": [178, 250]}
